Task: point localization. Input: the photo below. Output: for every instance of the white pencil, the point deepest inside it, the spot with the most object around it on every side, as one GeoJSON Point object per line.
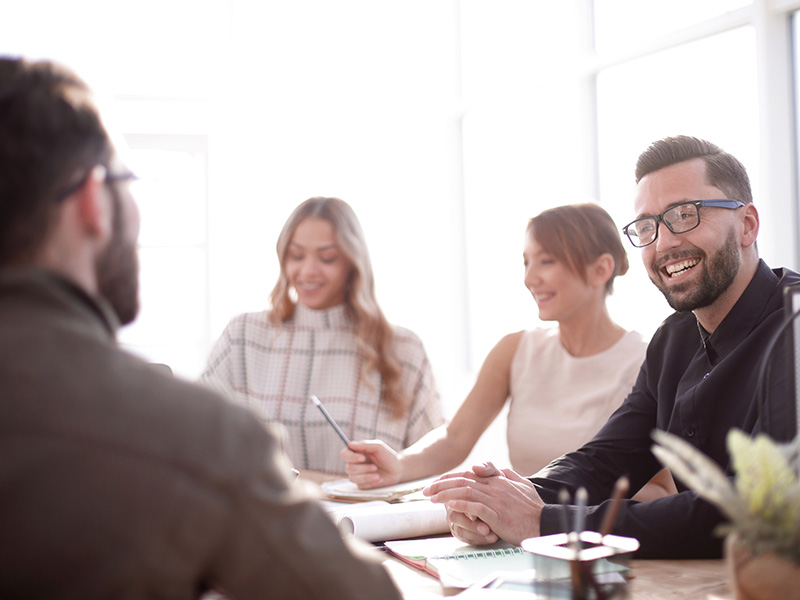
{"type": "Point", "coordinates": [328, 416]}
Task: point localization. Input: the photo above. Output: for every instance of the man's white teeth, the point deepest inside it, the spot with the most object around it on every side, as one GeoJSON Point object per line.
{"type": "Point", "coordinates": [678, 268]}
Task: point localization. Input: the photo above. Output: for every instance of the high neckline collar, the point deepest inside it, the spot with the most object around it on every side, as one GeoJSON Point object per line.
{"type": "Point", "coordinates": [329, 318]}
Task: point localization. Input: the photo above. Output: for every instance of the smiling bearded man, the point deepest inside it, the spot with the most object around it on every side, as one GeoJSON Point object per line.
{"type": "Point", "coordinates": [719, 272]}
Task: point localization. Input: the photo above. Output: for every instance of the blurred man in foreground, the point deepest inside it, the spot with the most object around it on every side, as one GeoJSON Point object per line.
{"type": "Point", "coordinates": [117, 480]}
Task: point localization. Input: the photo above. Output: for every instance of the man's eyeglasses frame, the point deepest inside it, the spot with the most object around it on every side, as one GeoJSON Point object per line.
{"type": "Point", "coordinates": [109, 178]}
{"type": "Point", "coordinates": [716, 203]}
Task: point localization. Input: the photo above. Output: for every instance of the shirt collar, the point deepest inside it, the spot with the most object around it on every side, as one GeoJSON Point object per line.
{"type": "Point", "coordinates": [335, 317]}
{"type": "Point", "coordinates": [745, 314]}
{"type": "Point", "coordinates": [49, 285]}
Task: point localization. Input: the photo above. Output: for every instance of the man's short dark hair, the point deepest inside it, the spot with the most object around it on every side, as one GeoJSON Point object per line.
{"type": "Point", "coordinates": [723, 170]}
{"type": "Point", "coordinates": [51, 135]}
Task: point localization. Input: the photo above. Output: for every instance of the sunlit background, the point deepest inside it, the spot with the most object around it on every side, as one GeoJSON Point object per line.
{"type": "Point", "coordinates": [446, 124]}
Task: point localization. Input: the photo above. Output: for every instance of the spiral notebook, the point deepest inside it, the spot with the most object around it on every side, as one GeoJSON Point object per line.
{"type": "Point", "coordinates": [457, 564]}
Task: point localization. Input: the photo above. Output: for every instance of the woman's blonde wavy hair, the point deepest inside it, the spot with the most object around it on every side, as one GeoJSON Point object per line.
{"type": "Point", "coordinates": [374, 334]}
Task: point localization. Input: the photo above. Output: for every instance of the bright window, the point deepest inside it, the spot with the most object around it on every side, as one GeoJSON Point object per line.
{"type": "Point", "coordinates": [706, 89]}
{"type": "Point", "coordinates": [623, 24]}
{"type": "Point", "coordinates": [172, 326]}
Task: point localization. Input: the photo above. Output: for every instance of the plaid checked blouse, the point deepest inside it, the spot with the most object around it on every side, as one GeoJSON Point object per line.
{"type": "Point", "coordinates": [274, 369]}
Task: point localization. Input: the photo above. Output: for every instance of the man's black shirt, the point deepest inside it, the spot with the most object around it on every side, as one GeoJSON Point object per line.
{"type": "Point", "coordinates": [697, 386]}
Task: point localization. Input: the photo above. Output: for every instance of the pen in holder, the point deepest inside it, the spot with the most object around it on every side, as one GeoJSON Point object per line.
{"type": "Point", "coordinates": [584, 566]}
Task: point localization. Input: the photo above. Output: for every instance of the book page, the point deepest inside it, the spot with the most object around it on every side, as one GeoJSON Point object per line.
{"type": "Point", "coordinates": [437, 547]}
{"type": "Point", "coordinates": [465, 569]}
{"type": "Point", "coordinates": [458, 564]}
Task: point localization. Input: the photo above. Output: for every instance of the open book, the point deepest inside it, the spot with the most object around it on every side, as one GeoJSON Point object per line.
{"type": "Point", "coordinates": [457, 564]}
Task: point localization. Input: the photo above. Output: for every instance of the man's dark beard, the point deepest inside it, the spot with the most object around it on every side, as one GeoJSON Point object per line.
{"type": "Point", "coordinates": [117, 268]}
{"type": "Point", "coordinates": [719, 272]}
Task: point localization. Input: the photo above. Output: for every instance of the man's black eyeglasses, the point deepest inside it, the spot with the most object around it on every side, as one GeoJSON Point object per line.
{"type": "Point", "coordinates": [109, 178]}
{"type": "Point", "coordinates": [680, 218]}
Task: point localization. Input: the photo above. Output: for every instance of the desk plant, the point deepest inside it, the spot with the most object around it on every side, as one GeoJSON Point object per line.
{"type": "Point", "coordinates": [761, 503]}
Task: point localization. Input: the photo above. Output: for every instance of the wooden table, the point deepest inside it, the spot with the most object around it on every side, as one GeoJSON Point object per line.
{"type": "Point", "coordinates": [653, 580]}
{"type": "Point", "coordinates": [660, 579]}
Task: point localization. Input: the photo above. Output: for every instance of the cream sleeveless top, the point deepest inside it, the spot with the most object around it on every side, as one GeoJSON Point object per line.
{"type": "Point", "coordinates": [558, 401]}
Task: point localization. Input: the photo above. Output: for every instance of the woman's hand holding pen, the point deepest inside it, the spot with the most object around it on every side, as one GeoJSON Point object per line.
{"type": "Point", "coordinates": [488, 503]}
{"type": "Point", "coordinates": [371, 464]}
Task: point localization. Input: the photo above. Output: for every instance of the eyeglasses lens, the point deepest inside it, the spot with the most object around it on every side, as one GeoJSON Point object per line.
{"type": "Point", "coordinates": [682, 218]}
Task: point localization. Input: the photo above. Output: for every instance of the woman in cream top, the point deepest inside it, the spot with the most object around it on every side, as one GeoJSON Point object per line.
{"type": "Point", "coordinates": [564, 381]}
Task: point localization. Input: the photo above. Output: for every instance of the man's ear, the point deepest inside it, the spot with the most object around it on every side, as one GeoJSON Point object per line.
{"type": "Point", "coordinates": [750, 225]}
{"type": "Point", "coordinates": [93, 203]}
{"type": "Point", "coordinates": [601, 270]}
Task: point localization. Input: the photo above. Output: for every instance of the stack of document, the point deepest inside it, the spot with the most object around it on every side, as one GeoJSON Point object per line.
{"type": "Point", "coordinates": [344, 489]}
{"type": "Point", "coordinates": [381, 514]}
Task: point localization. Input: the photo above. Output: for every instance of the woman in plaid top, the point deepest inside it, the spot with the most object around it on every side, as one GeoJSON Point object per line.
{"type": "Point", "coordinates": [326, 335]}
